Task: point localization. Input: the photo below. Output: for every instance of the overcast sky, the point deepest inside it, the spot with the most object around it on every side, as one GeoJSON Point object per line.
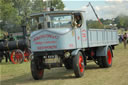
{"type": "Point", "coordinates": [106, 9]}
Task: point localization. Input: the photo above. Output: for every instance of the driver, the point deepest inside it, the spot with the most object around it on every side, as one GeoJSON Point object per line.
{"type": "Point", "coordinates": [78, 20]}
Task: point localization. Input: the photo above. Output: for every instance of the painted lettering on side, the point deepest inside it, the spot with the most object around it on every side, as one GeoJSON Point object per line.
{"type": "Point", "coordinates": [71, 45]}
{"type": "Point", "coordinates": [45, 36]}
{"type": "Point", "coordinates": [78, 37]}
{"type": "Point", "coordinates": [83, 34]}
{"type": "Point", "coordinates": [46, 47]}
{"type": "Point", "coordinates": [83, 30]}
{"type": "Point", "coordinates": [46, 42]}
{"type": "Point", "coordinates": [84, 38]}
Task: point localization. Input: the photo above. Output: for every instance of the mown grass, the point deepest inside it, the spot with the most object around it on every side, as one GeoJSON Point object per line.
{"type": "Point", "coordinates": [20, 74]}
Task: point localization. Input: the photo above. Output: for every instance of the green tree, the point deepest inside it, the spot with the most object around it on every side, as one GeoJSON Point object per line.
{"type": "Point", "coordinates": [41, 5]}
{"type": "Point", "coordinates": [8, 14]}
{"type": "Point", "coordinates": [23, 7]}
{"type": "Point", "coordinates": [13, 13]}
{"type": "Point", "coordinates": [121, 21]}
{"type": "Point", "coordinates": [58, 4]}
{"type": "Point", "coordinates": [107, 22]}
{"type": "Point", "coordinates": [94, 24]}
{"type": "Point", "coordinates": [38, 6]}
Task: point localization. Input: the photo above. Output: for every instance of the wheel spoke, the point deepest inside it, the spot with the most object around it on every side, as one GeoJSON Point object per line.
{"type": "Point", "coordinates": [17, 56]}
{"type": "Point", "coordinates": [27, 53]}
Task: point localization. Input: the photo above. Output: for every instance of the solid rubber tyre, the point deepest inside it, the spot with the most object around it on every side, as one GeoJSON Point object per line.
{"type": "Point", "coordinates": [78, 65]}
{"type": "Point", "coordinates": [37, 73]}
{"type": "Point", "coordinates": [106, 61]}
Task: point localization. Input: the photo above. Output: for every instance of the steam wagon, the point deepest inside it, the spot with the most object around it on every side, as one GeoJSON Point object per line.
{"type": "Point", "coordinates": [60, 41]}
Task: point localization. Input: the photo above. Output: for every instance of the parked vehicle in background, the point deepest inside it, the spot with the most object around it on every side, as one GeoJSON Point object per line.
{"type": "Point", "coordinates": [16, 50]}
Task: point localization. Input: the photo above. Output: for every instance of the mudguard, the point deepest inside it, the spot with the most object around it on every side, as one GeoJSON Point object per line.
{"type": "Point", "coordinates": [102, 51]}
{"type": "Point", "coordinates": [74, 52]}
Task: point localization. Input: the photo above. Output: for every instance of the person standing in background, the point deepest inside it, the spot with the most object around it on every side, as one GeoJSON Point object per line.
{"type": "Point", "coordinates": [125, 40]}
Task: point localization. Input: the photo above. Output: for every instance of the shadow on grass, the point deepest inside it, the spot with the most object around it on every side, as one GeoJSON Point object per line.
{"type": "Point", "coordinates": [53, 74]}
{"type": "Point", "coordinates": [59, 74]}
{"type": "Point", "coordinates": [92, 67]}
{"type": "Point", "coordinates": [16, 80]}
{"type": "Point", "coordinates": [27, 78]}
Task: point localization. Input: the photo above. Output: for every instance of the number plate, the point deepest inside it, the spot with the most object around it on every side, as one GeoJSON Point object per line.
{"type": "Point", "coordinates": [49, 57]}
{"type": "Point", "coordinates": [52, 59]}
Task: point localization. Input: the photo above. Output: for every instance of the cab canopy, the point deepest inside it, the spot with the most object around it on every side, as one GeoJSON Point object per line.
{"type": "Point", "coordinates": [53, 19]}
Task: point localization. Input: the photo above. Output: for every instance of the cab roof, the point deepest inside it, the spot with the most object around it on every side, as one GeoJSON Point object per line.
{"type": "Point", "coordinates": [57, 12]}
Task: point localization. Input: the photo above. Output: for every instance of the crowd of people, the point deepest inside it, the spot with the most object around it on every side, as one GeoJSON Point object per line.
{"type": "Point", "coordinates": [124, 38]}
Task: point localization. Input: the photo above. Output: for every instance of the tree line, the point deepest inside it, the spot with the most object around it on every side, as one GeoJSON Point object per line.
{"type": "Point", "coordinates": [13, 13]}
{"type": "Point", "coordinates": [120, 21]}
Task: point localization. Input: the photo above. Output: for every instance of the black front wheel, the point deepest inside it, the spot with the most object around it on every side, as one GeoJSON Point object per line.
{"type": "Point", "coordinates": [36, 72]}
{"type": "Point", "coordinates": [78, 65]}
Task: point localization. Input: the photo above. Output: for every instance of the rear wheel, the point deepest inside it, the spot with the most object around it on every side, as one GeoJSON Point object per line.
{"type": "Point", "coordinates": [78, 65]}
{"type": "Point", "coordinates": [36, 71]}
{"type": "Point", "coordinates": [106, 61]}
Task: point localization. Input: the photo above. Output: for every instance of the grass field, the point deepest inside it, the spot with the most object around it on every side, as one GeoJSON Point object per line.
{"type": "Point", "coordinates": [116, 75]}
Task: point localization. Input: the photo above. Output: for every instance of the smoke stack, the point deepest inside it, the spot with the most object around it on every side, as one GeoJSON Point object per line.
{"type": "Point", "coordinates": [24, 31]}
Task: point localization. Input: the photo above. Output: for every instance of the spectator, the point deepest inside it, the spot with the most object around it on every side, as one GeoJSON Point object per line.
{"type": "Point", "coordinates": [11, 38]}
{"type": "Point", "coordinates": [125, 40]}
{"type": "Point", "coordinates": [127, 37]}
{"type": "Point", "coordinates": [120, 38]}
